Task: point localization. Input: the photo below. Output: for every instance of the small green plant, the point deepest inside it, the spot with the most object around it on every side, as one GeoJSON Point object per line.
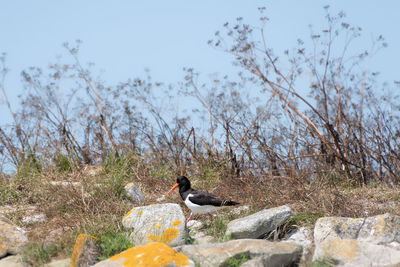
{"type": "Point", "coordinates": [112, 244]}
{"type": "Point", "coordinates": [324, 263]}
{"type": "Point", "coordinates": [29, 166]}
{"type": "Point", "coordinates": [63, 163]}
{"type": "Point", "coordinates": [39, 254]}
{"type": "Point", "coordinates": [304, 219]}
{"type": "Point", "coordinates": [217, 228]}
{"type": "Point", "coordinates": [236, 260]}
{"type": "Point", "coordinates": [118, 172]}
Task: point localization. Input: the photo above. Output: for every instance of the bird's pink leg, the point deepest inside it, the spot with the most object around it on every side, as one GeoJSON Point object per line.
{"type": "Point", "coordinates": [189, 218]}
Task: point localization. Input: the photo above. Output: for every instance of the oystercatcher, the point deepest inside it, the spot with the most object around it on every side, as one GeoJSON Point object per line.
{"type": "Point", "coordinates": [198, 202]}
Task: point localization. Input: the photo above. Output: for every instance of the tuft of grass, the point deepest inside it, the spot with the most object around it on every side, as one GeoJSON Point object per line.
{"type": "Point", "coordinates": [304, 219]}
{"type": "Point", "coordinates": [112, 244]}
{"type": "Point", "coordinates": [38, 254]}
{"type": "Point", "coordinates": [63, 163]}
{"type": "Point", "coordinates": [29, 166]}
{"type": "Point", "coordinates": [216, 227]}
{"type": "Point", "coordinates": [237, 260]}
{"type": "Point", "coordinates": [119, 172]}
{"type": "Point", "coordinates": [324, 263]}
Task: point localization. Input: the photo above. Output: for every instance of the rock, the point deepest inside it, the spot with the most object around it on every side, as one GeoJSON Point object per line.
{"type": "Point", "coordinates": [151, 255]}
{"type": "Point", "coordinates": [265, 252]}
{"type": "Point", "coordinates": [160, 199]}
{"type": "Point", "coordinates": [258, 224]}
{"type": "Point", "coordinates": [12, 238]}
{"type": "Point", "coordinates": [33, 219]}
{"type": "Point", "coordinates": [380, 229]}
{"type": "Point", "coordinates": [194, 225]}
{"type": "Point", "coordinates": [156, 223]}
{"type": "Point", "coordinates": [351, 252]}
{"type": "Point", "coordinates": [240, 209]}
{"type": "Point", "coordinates": [372, 241]}
{"type": "Point", "coordinates": [256, 262]}
{"type": "Point", "coordinates": [196, 234]}
{"type": "Point", "coordinates": [304, 237]}
{"type": "Point", "coordinates": [65, 183]}
{"type": "Point", "coordinates": [85, 251]}
{"type": "Point", "coordinates": [12, 261]}
{"type": "Point", "coordinates": [59, 263]}
{"type": "Point", "coordinates": [201, 239]}
{"type": "Point", "coordinates": [134, 193]}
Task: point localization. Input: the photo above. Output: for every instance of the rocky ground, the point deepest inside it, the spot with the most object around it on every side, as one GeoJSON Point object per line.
{"type": "Point", "coordinates": [118, 217]}
{"type": "Point", "coordinates": [162, 237]}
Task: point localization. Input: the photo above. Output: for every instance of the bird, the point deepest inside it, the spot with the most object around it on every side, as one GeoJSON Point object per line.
{"type": "Point", "coordinates": [199, 202]}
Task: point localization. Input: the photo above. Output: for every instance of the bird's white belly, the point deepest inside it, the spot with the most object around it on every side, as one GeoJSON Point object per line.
{"type": "Point", "coordinates": [197, 209]}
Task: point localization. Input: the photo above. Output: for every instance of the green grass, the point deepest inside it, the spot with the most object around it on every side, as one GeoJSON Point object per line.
{"type": "Point", "coordinates": [38, 254]}
{"type": "Point", "coordinates": [217, 227]}
{"type": "Point", "coordinates": [63, 163]}
{"type": "Point", "coordinates": [304, 219]}
{"type": "Point", "coordinates": [324, 263]}
{"type": "Point", "coordinates": [236, 260]}
{"type": "Point", "coordinates": [112, 244]}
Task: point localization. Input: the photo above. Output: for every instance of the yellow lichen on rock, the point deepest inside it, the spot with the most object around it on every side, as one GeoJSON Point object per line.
{"type": "Point", "coordinates": [129, 213]}
{"type": "Point", "coordinates": [151, 255]}
{"type": "Point", "coordinates": [166, 237]}
{"type": "Point", "coordinates": [78, 247]}
{"type": "Point", "coordinates": [1, 248]}
{"type": "Point", "coordinates": [169, 235]}
{"type": "Point", "coordinates": [176, 223]}
{"type": "Point", "coordinates": [158, 226]}
{"type": "Point", "coordinates": [140, 212]}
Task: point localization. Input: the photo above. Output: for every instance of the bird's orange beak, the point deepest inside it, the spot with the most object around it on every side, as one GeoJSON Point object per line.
{"type": "Point", "coordinates": [172, 189]}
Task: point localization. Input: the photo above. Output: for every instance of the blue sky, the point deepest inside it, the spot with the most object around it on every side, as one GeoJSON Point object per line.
{"type": "Point", "coordinates": [125, 37]}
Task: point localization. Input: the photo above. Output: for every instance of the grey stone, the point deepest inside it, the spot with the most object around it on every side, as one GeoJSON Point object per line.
{"type": "Point", "coordinates": [12, 261]}
{"type": "Point", "coordinates": [258, 224]}
{"type": "Point", "coordinates": [256, 262]}
{"type": "Point", "coordinates": [156, 223]}
{"type": "Point", "coordinates": [194, 225]}
{"type": "Point", "coordinates": [65, 183]}
{"type": "Point", "coordinates": [351, 252]}
{"type": "Point", "coordinates": [134, 193]}
{"type": "Point", "coordinates": [203, 239]}
{"type": "Point", "coordinates": [372, 241]}
{"type": "Point", "coordinates": [380, 229]}
{"type": "Point", "coordinates": [59, 263]}
{"type": "Point", "coordinates": [304, 237]}
{"type": "Point", "coordinates": [12, 238]}
{"type": "Point", "coordinates": [34, 219]}
{"type": "Point", "coordinates": [269, 253]}
{"type": "Point", "coordinates": [240, 209]}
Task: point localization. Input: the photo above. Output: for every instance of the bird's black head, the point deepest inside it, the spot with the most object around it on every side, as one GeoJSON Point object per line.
{"type": "Point", "coordinates": [184, 183]}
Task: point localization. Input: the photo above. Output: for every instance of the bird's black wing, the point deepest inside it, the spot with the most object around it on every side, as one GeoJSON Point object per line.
{"type": "Point", "coordinates": [204, 198]}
